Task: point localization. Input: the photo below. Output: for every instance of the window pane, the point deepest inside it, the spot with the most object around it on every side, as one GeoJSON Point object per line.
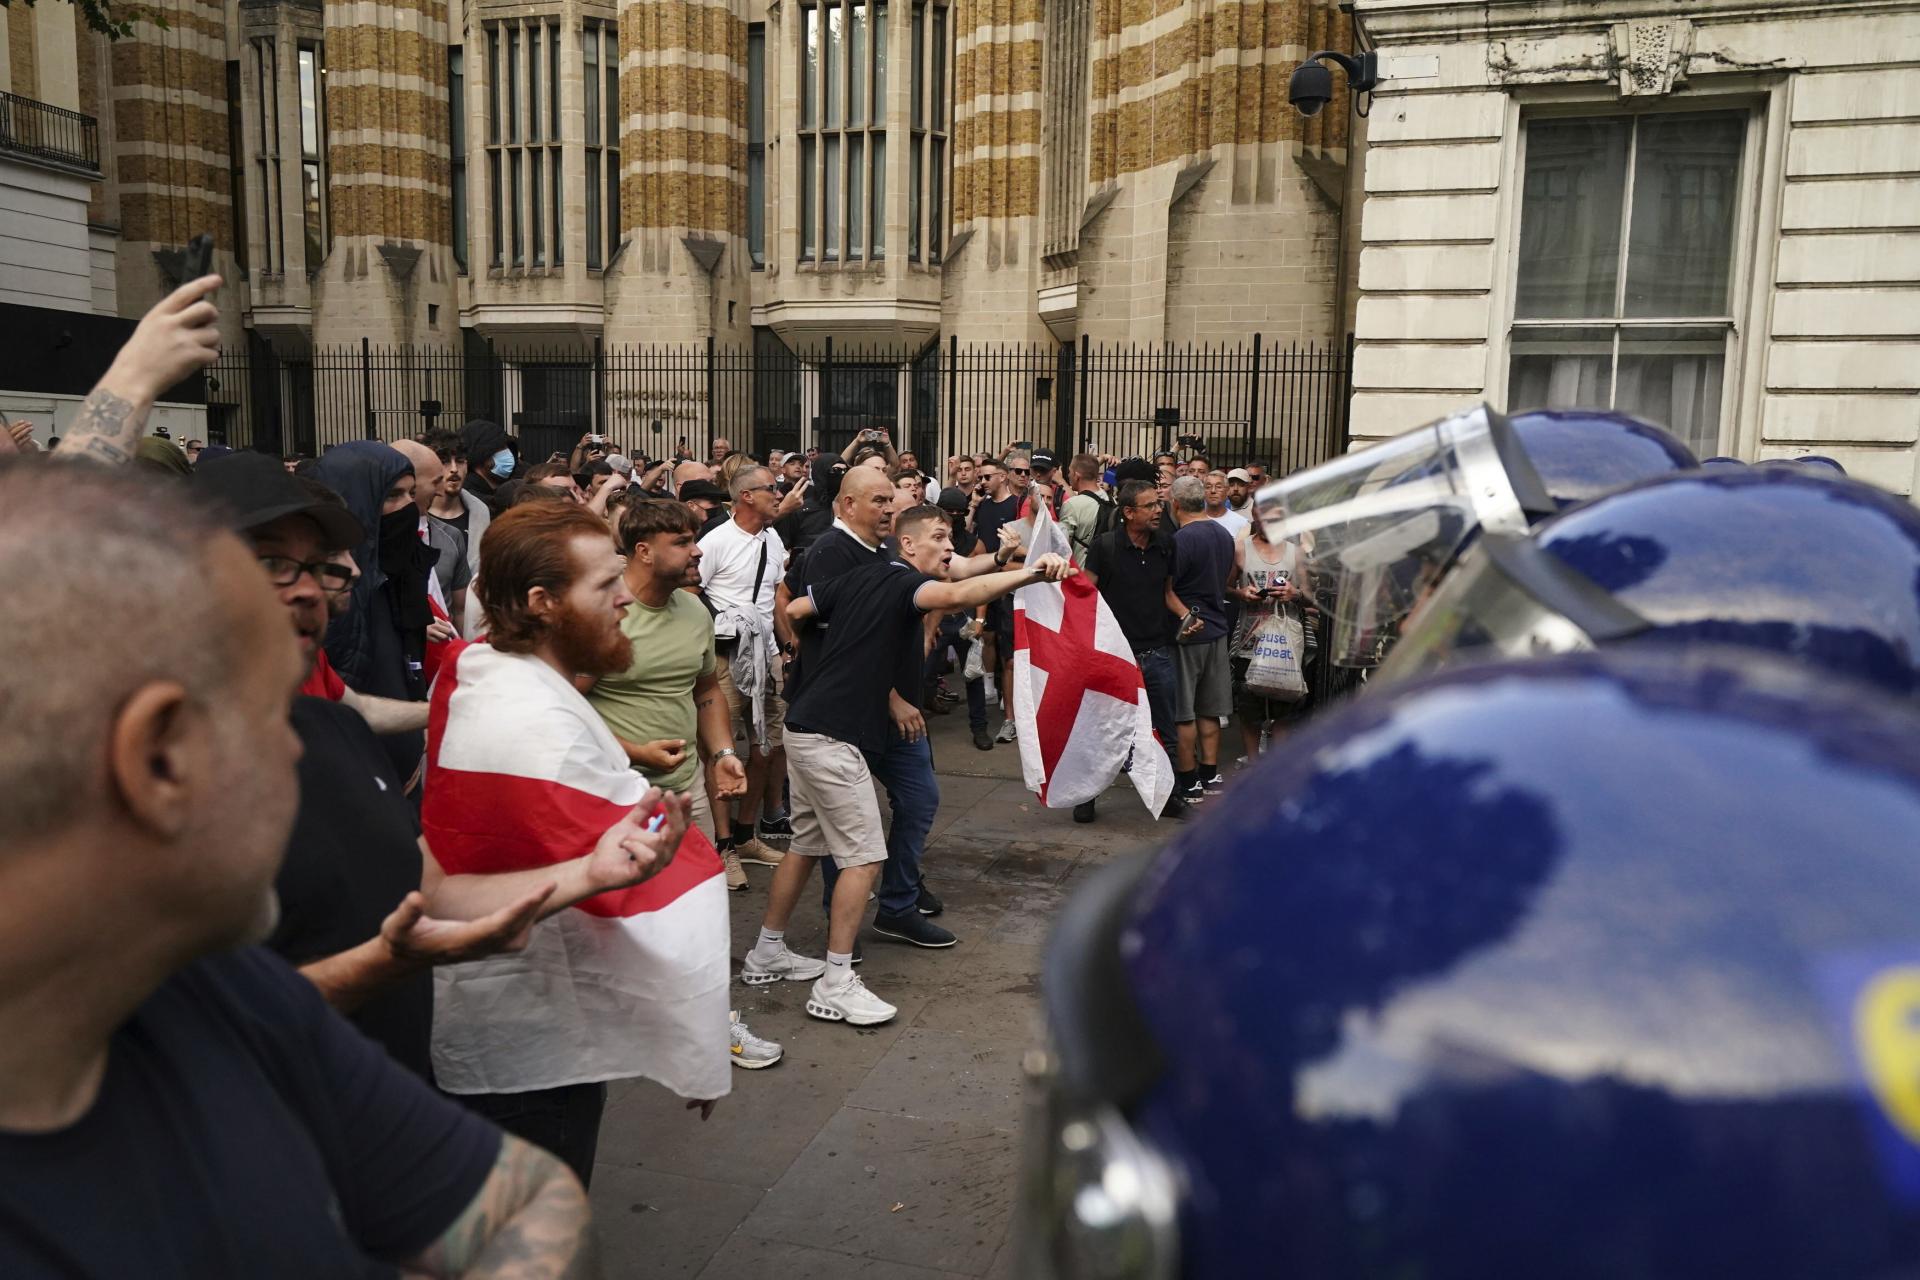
{"type": "Point", "coordinates": [879, 184]}
{"type": "Point", "coordinates": [535, 64]}
{"type": "Point", "coordinates": [757, 207]}
{"type": "Point", "coordinates": [610, 86]}
{"type": "Point", "coordinates": [1570, 217]}
{"type": "Point", "coordinates": [913, 199]}
{"type": "Point", "coordinates": [514, 206]}
{"type": "Point", "coordinates": [493, 84]}
{"type": "Point", "coordinates": [856, 197]}
{"type": "Point", "coordinates": [831, 85]}
{"type": "Point", "coordinates": [857, 68]}
{"type": "Point", "coordinates": [613, 201]}
{"type": "Point", "coordinates": [310, 204]}
{"type": "Point", "coordinates": [809, 65]}
{"type": "Point", "coordinates": [499, 218]}
{"type": "Point", "coordinates": [553, 83]}
{"type": "Point", "coordinates": [1673, 377]}
{"type": "Point", "coordinates": [879, 63]}
{"type": "Point", "coordinates": [936, 188]}
{"type": "Point", "coordinates": [559, 227]}
{"type": "Point", "coordinates": [456, 101]}
{"type": "Point", "coordinates": [594, 231]}
{"type": "Point", "coordinates": [756, 85]}
{"type": "Point", "coordinates": [309, 104]}
{"type": "Point", "coordinates": [1559, 369]}
{"type": "Point", "coordinates": [1685, 191]}
{"type": "Point", "coordinates": [915, 79]}
{"type": "Point", "coordinates": [830, 182]}
{"type": "Point", "coordinates": [537, 206]}
{"type": "Point", "coordinates": [939, 94]}
{"type": "Point", "coordinates": [590, 56]}
{"type": "Point", "coordinates": [807, 210]}
{"type": "Point", "coordinates": [513, 84]}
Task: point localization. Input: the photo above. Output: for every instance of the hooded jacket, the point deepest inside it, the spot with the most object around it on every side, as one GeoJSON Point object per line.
{"type": "Point", "coordinates": [379, 644]}
{"type": "Point", "coordinates": [483, 439]}
{"type": "Point", "coordinates": [798, 529]}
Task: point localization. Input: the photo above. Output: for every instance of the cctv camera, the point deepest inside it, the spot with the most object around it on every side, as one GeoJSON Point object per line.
{"type": "Point", "coordinates": [1310, 89]}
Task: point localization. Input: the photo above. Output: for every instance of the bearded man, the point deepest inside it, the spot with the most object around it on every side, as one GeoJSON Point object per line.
{"type": "Point", "coordinates": [522, 777]}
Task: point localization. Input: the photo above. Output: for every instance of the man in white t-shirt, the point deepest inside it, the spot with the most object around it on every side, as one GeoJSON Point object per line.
{"type": "Point", "coordinates": [742, 561]}
{"type": "Point", "coordinates": [1217, 508]}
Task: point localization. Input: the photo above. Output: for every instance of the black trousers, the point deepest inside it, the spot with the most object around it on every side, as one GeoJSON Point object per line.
{"type": "Point", "coordinates": [564, 1121]}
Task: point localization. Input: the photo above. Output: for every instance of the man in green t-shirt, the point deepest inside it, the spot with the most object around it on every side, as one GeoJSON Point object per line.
{"type": "Point", "coordinates": [670, 696]}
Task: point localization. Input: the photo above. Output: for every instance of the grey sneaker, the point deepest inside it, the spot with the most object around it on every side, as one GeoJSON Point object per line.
{"type": "Point", "coordinates": [1007, 732]}
{"type": "Point", "coordinates": [850, 1003]}
{"type": "Point", "coordinates": [757, 972]}
{"type": "Point", "coordinates": [749, 1050]}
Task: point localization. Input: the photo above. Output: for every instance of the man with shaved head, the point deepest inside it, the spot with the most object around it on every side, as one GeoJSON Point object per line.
{"type": "Point", "coordinates": [451, 572]}
{"type": "Point", "coordinates": [148, 1052]}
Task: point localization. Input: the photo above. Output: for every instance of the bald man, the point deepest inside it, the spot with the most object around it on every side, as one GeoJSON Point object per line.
{"type": "Point", "coordinates": [147, 1050]}
{"type": "Point", "coordinates": [452, 572]}
{"type": "Point", "coordinates": [688, 471]}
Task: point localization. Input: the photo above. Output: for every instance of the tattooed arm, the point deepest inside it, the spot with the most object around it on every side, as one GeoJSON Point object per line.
{"type": "Point", "coordinates": [529, 1222]}
{"type": "Point", "coordinates": [173, 340]}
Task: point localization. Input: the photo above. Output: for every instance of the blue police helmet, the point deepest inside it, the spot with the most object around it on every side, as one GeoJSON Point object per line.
{"type": "Point", "coordinates": [1583, 453]}
{"type": "Point", "coordinates": [1721, 461]}
{"type": "Point", "coordinates": [1603, 965]}
{"type": "Point", "coordinates": [1817, 460]}
{"type": "Point", "coordinates": [1786, 559]}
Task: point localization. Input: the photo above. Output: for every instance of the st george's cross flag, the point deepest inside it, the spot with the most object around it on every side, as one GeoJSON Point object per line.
{"type": "Point", "coordinates": [1079, 705]}
{"type": "Point", "coordinates": [523, 773]}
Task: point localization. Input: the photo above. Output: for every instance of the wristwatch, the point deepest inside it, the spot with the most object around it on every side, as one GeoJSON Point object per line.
{"type": "Point", "coordinates": [724, 751]}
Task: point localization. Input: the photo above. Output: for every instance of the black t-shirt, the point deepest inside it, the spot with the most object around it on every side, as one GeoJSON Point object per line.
{"type": "Point", "coordinates": [1133, 581]}
{"type": "Point", "coordinates": [351, 859]}
{"type": "Point", "coordinates": [1202, 567]}
{"type": "Point", "coordinates": [833, 553]}
{"type": "Point", "coordinates": [241, 1129]}
{"type": "Point", "coordinates": [460, 521]}
{"type": "Point", "coordinates": [872, 625]}
{"type": "Point", "coordinates": [990, 515]}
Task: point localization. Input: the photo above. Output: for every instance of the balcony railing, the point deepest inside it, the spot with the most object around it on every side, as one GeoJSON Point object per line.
{"type": "Point", "coordinates": [46, 132]}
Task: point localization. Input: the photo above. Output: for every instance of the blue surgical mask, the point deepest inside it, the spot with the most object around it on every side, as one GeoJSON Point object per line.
{"type": "Point", "coordinates": [503, 463]}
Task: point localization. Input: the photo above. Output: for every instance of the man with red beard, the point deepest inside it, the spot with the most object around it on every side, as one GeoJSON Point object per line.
{"type": "Point", "coordinates": [523, 776]}
{"type": "Point", "coordinates": [351, 915]}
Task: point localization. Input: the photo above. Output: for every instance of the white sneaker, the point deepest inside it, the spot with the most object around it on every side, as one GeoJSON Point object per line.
{"type": "Point", "coordinates": [850, 1003]}
{"type": "Point", "coordinates": [1008, 733]}
{"type": "Point", "coordinates": [757, 972]}
{"type": "Point", "coordinates": [749, 1050]}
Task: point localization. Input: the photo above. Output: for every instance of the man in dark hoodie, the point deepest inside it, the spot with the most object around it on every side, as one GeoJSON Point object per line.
{"type": "Point", "coordinates": [798, 529]}
{"type": "Point", "coordinates": [379, 645]}
{"type": "Point", "coordinates": [492, 458]}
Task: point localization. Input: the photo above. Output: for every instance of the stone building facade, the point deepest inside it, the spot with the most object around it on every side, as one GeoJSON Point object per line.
{"type": "Point", "coordinates": [1704, 212]}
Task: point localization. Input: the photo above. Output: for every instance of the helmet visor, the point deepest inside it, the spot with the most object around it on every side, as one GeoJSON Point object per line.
{"type": "Point", "coordinates": [1506, 598]}
{"type": "Point", "coordinates": [1380, 526]}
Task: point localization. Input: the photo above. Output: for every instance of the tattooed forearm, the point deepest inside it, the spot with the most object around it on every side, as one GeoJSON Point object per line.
{"type": "Point", "coordinates": [106, 430]}
{"type": "Point", "coordinates": [529, 1222]}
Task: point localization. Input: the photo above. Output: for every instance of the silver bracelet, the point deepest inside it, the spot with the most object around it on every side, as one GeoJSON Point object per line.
{"type": "Point", "coordinates": [724, 751]}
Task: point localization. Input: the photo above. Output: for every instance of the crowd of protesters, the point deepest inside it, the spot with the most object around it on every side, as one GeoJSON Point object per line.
{"type": "Point", "coordinates": [546, 716]}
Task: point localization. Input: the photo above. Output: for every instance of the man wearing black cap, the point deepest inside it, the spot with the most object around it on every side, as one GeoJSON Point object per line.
{"type": "Point", "coordinates": [1045, 472]}
{"type": "Point", "coordinates": [709, 502]}
{"type": "Point", "coordinates": [492, 457]}
{"type": "Point", "coordinates": [350, 915]}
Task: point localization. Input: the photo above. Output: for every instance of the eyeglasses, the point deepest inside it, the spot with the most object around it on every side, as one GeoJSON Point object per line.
{"type": "Point", "coordinates": [284, 571]}
{"type": "Point", "coordinates": [758, 488]}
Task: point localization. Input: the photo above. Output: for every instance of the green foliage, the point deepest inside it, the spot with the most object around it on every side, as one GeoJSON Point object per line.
{"type": "Point", "coordinates": [113, 20]}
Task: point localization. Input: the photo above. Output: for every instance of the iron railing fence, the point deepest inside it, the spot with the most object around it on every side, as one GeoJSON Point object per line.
{"type": "Point", "coordinates": [46, 132]}
{"type": "Point", "coordinates": [1284, 406]}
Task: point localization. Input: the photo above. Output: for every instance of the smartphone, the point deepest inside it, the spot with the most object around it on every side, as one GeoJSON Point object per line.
{"type": "Point", "coordinates": [196, 259]}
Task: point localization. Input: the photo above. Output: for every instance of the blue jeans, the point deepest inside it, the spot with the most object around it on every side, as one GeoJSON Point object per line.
{"type": "Point", "coordinates": [1156, 672]}
{"type": "Point", "coordinates": [905, 769]}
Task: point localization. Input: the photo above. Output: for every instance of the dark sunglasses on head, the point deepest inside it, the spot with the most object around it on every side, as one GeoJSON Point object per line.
{"type": "Point", "coordinates": [284, 571]}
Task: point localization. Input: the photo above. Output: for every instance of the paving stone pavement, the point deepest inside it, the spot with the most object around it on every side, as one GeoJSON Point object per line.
{"type": "Point", "coordinates": [799, 1171]}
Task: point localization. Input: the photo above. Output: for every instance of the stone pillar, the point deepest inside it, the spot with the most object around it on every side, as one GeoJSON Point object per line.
{"type": "Point", "coordinates": [682, 273]}
{"type": "Point", "coordinates": [992, 269]}
{"type": "Point", "coordinates": [390, 273]}
{"type": "Point", "coordinates": [169, 152]}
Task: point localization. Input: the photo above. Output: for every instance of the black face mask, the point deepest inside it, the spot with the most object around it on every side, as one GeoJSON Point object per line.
{"type": "Point", "coordinates": [399, 530]}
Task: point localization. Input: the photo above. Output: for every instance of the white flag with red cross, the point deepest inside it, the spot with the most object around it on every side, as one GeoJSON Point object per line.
{"type": "Point", "coordinates": [1079, 704]}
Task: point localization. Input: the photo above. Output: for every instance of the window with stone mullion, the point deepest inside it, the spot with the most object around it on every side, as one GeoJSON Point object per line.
{"type": "Point", "coordinates": [842, 134]}
{"type": "Point", "coordinates": [524, 152]}
{"type": "Point", "coordinates": [600, 80]}
{"type": "Point", "coordinates": [929, 119]}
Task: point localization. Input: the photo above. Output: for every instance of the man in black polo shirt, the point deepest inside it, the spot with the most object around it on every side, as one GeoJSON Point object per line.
{"type": "Point", "coordinates": [1132, 565]}
{"type": "Point", "coordinates": [1007, 482]}
{"type": "Point", "coordinates": [845, 715]}
{"type": "Point", "coordinates": [350, 914]}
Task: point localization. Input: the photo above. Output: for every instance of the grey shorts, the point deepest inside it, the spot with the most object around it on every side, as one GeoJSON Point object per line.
{"type": "Point", "coordinates": [835, 813]}
{"type": "Point", "coordinates": [1203, 684]}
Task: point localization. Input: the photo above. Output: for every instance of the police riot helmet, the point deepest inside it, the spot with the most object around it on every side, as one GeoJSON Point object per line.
{"type": "Point", "coordinates": [1820, 461]}
{"type": "Point", "coordinates": [1583, 453]}
{"type": "Point", "coordinates": [1788, 559]}
{"type": "Point", "coordinates": [1601, 965]}
{"type": "Point", "coordinates": [1382, 526]}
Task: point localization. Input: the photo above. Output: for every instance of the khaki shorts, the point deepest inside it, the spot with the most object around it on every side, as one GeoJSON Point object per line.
{"type": "Point", "coordinates": [835, 813]}
{"type": "Point", "coordinates": [696, 794]}
{"type": "Point", "coordinates": [741, 711]}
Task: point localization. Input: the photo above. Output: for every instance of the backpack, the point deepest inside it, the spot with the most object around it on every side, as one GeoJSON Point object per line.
{"type": "Point", "coordinates": [1109, 513]}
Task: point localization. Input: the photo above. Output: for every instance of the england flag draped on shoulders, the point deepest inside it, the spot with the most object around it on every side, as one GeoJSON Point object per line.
{"type": "Point", "coordinates": [521, 772]}
{"type": "Point", "coordinates": [1079, 705]}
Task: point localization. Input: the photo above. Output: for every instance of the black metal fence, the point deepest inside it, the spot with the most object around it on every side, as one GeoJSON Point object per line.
{"type": "Point", "coordinates": [1285, 406]}
{"type": "Point", "coordinates": [46, 132]}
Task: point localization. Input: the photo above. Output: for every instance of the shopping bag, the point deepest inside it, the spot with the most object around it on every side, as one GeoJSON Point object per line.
{"type": "Point", "coordinates": [1274, 670]}
{"type": "Point", "coordinates": [976, 664]}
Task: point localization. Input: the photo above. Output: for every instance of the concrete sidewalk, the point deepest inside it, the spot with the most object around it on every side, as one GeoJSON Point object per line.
{"type": "Point", "coordinates": [799, 1172]}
